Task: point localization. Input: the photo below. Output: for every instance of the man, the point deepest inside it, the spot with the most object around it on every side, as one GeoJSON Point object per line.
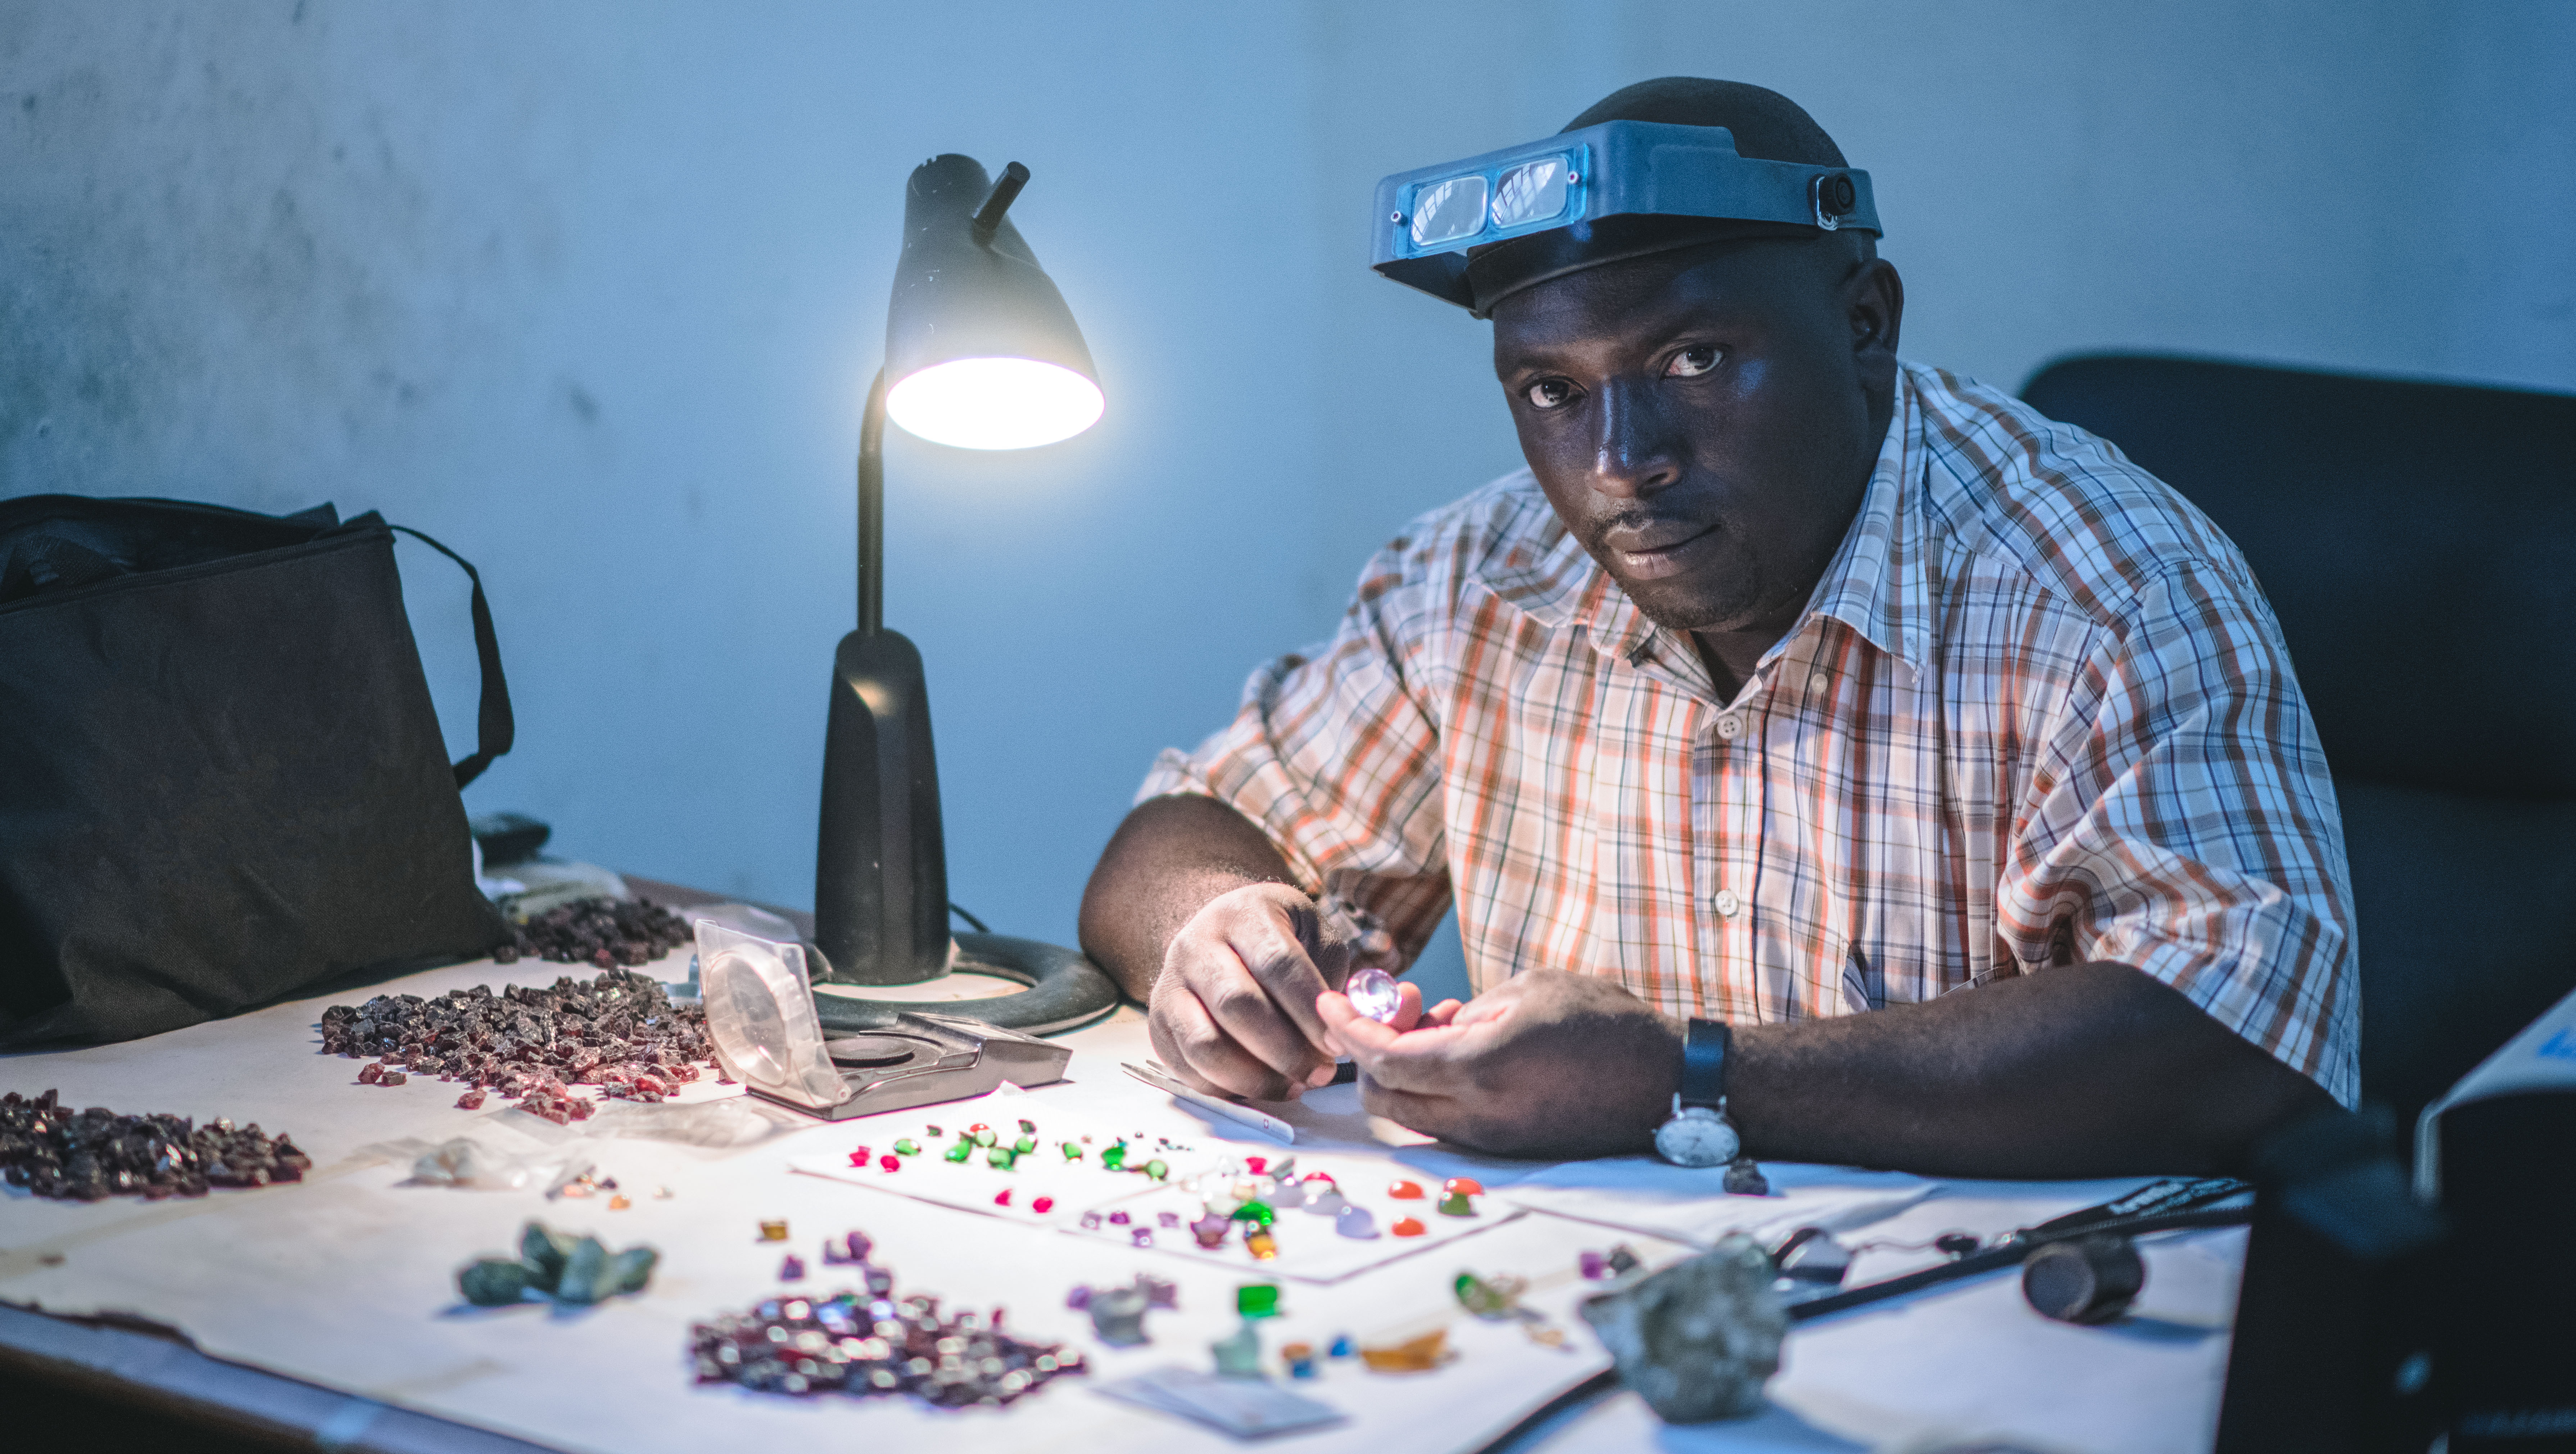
{"type": "Point", "coordinates": [1820, 749]}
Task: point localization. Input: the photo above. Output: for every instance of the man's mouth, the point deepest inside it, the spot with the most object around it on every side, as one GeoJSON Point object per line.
{"type": "Point", "coordinates": [1658, 550]}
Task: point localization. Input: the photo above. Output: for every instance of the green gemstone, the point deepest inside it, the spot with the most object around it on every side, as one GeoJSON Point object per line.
{"type": "Point", "coordinates": [1072, 1152]}
{"type": "Point", "coordinates": [984, 1138]}
{"type": "Point", "coordinates": [1257, 1213]}
{"type": "Point", "coordinates": [1157, 1169]}
{"type": "Point", "coordinates": [1257, 1300]}
{"type": "Point", "coordinates": [1028, 1127]}
{"type": "Point", "coordinates": [1000, 1158]}
{"type": "Point", "coordinates": [1024, 1145]}
{"type": "Point", "coordinates": [1115, 1156]}
{"type": "Point", "coordinates": [963, 1149]}
{"type": "Point", "coordinates": [907, 1147]}
{"type": "Point", "coordinates": [1455, 1204]}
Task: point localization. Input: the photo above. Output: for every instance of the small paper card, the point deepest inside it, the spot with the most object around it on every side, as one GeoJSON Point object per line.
{"type": "Point", "coordinates": [1247, 1408]}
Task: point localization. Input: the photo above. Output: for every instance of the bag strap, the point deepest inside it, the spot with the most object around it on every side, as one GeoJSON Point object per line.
{"type": "Point", "coordinates": [494, 728]}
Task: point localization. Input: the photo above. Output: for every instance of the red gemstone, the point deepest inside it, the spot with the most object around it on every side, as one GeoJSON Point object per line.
{"type": "Point", "coordinates": [1004, 1199]}
{"type": "Point", "coordinates": [859, 1157]}
{"type": "Point", "coordinates": [1463, 1184]}
{"type": "Point", "coordinates": [889, 1163]}
{"type": "Point", "coordinates": [470, 1101]}
{"type": "Point", "coordinates": [1254, 1164]}
{"type": "Point", "coordinates": [370, 1073]}
{"type": "Point", "coordinates": [1042, 1204]}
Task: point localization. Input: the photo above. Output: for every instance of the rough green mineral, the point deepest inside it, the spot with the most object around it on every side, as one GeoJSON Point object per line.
{"type": "Point", "coordinates": [493, 1283]}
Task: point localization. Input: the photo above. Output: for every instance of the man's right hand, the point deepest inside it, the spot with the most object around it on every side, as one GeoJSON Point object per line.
{"type": "Point", "coordinates": [1234, 1008]}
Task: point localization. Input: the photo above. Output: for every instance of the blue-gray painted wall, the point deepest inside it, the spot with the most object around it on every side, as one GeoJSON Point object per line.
{"type": "Point", "coordinates": [591, 291]}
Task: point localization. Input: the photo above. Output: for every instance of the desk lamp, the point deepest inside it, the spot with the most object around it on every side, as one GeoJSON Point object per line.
{"type": "Point", "coordinates": [981, 353]}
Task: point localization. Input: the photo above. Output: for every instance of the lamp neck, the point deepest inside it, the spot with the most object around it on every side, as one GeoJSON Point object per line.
{"type": "Point", "coordinates": [872, 510]}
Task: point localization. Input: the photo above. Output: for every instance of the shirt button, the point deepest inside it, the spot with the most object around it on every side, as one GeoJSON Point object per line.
{"type": "Point", "coordinates": [1727, 904]}
{"type": "Point", "coordinates": [1819, 682]}
{"type": "Point", "coordinates": [1730, 726]}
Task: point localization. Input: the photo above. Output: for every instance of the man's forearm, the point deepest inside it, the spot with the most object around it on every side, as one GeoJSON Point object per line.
{"type": "Point", "coordinates": [2090, 1070]}
{"type": "Point", "coordinates": [1171, 856]}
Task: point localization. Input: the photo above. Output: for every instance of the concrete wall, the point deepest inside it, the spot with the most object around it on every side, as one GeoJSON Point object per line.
{"type": "Point", "coordinates": [592, 291]}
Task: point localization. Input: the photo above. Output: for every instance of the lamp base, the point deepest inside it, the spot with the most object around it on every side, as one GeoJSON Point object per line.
{"type": "Point", "coordinates": [881, 863]}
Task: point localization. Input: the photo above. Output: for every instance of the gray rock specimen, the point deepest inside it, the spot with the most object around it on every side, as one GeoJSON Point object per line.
{"type": "Point", "coordinates": [1699, 1339]}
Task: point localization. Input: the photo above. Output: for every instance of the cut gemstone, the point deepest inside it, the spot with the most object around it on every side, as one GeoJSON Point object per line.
{"type": "Point", "coordinates": [1457, 1204]}
{"type": "Point", "coordinates": [1405, 1191]}
{"type": "Point", "coordinates": [1407, 1227]}
{"type": "Point", "coordinates": [889, 1163]}
{"type": "Point", "coordinates": [1356, 1222]}
{"type": "Point", "coordinates": [1466, 1184]}
{"type": "Point", "coordinates": [1373, 993]}
{"type": "Point", "coordinates": [1257, 1299]}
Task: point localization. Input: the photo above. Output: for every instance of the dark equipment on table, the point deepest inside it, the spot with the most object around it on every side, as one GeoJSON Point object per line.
{"type": "Point", "coordinates": [968, 292]}
{"type": "Point", "coordinates": [221, 776]}
{"type": "Point", "coordinates": [2091, 1279]}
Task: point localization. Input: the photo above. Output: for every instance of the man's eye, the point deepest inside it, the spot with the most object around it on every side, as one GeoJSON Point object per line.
{"type": "Point", "coordinates": [1691, 363]}
{"type": "Point", "coordinates": [1549, 393]}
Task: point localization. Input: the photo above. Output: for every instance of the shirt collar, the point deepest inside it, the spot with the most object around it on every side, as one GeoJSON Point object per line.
{"type": "Point", "coordinates": [1879, 582]}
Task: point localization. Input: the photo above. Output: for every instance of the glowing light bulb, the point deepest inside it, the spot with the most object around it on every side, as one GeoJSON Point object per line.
{"type": "Point", "coordinates": [995, 403]}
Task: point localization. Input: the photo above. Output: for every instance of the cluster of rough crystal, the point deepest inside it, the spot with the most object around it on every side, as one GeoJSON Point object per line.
{"type": "Point", "coordinates": [869, 1342]}
{"type": "Point", "coordinates": [569, 1269]}
{"type": "Point", "coordinates": [619, 1031]}
{"type": "Point", "coordinates": [602, 931]}
{"type": "Point", "coordinates": [87, 1155]}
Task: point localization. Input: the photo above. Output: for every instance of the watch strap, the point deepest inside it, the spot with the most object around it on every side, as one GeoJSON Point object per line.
{"type": "Point", "coordinates": [1705, 1044]}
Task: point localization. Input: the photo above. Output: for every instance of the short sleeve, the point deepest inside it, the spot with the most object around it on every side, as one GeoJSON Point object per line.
{"type": "Point", "coordinates": [1339, 763]}
{"type": "Point", "coordinates": [2184, 823]}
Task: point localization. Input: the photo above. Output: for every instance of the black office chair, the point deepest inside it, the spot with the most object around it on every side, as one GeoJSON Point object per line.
{"type": "Point", "coordinates": [2418, 542]}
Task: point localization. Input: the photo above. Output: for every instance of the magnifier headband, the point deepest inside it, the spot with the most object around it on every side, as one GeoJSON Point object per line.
{"type": "Point", "coordinates": [1428, 218]}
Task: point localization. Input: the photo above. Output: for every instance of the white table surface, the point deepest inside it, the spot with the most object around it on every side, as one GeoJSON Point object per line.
{"type": "Point", "coordinates": [347, 1281]}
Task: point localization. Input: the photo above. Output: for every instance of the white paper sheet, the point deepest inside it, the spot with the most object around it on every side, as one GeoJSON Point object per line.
{"type": "Point", "coordinates": [1643, 1194]}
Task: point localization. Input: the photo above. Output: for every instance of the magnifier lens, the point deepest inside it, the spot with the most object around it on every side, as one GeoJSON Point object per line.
{"type": "Point", "coordinates": [1449, 211]}
{"type": "Point", "coordinates": [1530, 192]}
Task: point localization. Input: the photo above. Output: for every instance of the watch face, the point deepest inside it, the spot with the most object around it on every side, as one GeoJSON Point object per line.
{"type": "Point", "coordinates": [1697, 1137]}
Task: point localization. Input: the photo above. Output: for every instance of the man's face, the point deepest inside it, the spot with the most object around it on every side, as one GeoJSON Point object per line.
{"type": "Point", "coordinates": [1702, 421]}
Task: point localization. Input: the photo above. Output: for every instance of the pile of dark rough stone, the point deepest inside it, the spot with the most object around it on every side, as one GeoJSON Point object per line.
{"type": "Point", "coordinates": [619, 1031]}
{"type": "Point", "coordinates": [92, 1154]}
{"type": "Point", "coordinates": [599, 931]}
{"type": "Point", "coordinates": [870, 1343]}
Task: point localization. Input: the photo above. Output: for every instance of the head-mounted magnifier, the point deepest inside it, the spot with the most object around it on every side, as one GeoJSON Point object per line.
{"type": "Point", "coordinates": [1428, 218]}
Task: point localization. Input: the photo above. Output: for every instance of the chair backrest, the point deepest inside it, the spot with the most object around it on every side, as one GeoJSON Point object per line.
{"type": "Point", "coordinates": [2418, 543]}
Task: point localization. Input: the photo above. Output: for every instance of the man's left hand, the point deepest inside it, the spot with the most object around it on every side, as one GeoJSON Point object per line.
{"type": "Point", "coordinates": [1550, 1064]}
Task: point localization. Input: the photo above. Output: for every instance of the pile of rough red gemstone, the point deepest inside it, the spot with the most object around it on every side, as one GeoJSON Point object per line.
{"type": "Point", "coordinates": [619, 1030]}
{"type": "Point", "coordinates": [872, 1343]}
{"type": "Point", "coordinates": [96, 1153]}
{"type": "Point", "coordinates": [600, 931]}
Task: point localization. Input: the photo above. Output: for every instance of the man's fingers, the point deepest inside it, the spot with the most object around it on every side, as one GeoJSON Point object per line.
{"type": "Point", "coordinates": [1198, 1049]}
{"type": "Point", "coordinates": [1270, 952]}
{"type": "Point", "coordinates": [1429, 1059]}
{"type": "Point", "coordinates": [1443, 1013]}
{"type": "Point", "coordinates": [1252, 1017]}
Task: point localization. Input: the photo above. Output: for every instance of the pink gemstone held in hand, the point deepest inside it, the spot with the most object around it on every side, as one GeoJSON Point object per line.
{"type": "Point", "coordinates": [1373, 993]}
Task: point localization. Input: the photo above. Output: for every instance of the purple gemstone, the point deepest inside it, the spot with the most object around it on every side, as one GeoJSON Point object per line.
{"type": "Point", "coordinates": [1593, 1266]}
{"type": "Point", "coordinates": [1144, 1236]}
{"type": "Point", "coordinates": [1118, 1219]}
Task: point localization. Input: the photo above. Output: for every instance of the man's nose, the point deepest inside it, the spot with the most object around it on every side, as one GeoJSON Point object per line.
{"type": "Point", "coordinates": [1635, 451]}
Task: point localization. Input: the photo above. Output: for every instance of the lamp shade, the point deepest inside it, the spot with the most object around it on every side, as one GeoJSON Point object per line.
{"type": "Point", "coordinates": [981, 351]}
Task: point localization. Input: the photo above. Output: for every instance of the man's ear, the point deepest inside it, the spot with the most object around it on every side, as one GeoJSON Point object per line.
{"type": "Point", "coordinates": [1874, 301]}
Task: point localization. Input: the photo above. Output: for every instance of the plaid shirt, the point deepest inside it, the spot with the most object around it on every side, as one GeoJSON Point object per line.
{"type": "Point", "coordinates": [2036, 713]}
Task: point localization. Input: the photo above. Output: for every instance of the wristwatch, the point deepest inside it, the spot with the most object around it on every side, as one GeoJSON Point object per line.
{"type": "Point", "coordinates": [1699, 1134]}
